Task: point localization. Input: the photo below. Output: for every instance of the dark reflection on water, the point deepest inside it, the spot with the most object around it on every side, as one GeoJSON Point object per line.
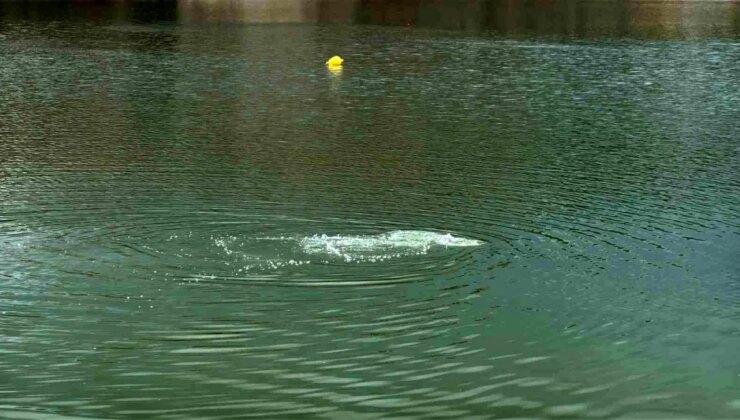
{"type": "Point", "coordinates": [560, 18]}
{"type": "Point", "coordinates": [565, 18]}
{"type": "Point", "coordinates": [193, 215]}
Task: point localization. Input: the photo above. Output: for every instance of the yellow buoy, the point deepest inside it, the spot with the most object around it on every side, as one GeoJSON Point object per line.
{"type": "Point", "coordinates": [335, 61]}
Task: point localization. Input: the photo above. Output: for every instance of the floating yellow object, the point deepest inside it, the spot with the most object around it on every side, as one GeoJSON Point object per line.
{"type": "Point", "coordinates": [335, 61]}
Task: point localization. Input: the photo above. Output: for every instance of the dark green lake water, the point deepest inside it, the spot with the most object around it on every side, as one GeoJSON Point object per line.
{"type": "Point", "coordinates": [201, 220]}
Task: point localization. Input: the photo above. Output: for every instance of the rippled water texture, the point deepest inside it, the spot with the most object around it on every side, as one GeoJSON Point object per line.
{"type": "Point", "coordinates": [200, 220]}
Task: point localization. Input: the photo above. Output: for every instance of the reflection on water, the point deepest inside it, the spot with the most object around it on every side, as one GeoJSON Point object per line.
{"type": "Point", "coordinates": [202, 220]}
{"type": "Point", "coordinates": [639, 18]}
{"type": "Point", "coordinates": [561, 18]}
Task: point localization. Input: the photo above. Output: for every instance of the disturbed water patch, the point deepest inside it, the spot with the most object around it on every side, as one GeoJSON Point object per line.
{"type": "Point", "coordinates": [396, 256]}
{"type": "Point", "coordinates": [373, 248]}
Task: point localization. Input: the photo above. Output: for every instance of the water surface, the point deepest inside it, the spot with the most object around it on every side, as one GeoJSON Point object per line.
{"type": "Point", "coordinates": [198, 219]}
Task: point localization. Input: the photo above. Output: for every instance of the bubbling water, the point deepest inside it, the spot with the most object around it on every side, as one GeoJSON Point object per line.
{"type": "Point", "coordinates": [370, 248]}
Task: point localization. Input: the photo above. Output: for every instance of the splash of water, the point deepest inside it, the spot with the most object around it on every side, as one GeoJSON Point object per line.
{"type": "Point", "coordinates": [393, 244]}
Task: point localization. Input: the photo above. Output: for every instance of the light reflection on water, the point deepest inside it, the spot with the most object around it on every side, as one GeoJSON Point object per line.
{"type": "Point", "coordinates": [201, 220]}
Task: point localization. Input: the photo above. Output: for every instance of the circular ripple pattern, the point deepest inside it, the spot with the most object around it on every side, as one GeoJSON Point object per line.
{"type": "Point", "coordinates": [449, 227]}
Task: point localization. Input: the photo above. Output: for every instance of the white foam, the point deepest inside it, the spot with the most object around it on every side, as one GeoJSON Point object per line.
{"type": "Point", "coordinates": [379, 247]}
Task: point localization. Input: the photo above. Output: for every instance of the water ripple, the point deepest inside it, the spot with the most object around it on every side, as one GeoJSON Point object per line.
{"type": "Point", "coordinates": [202, 222]}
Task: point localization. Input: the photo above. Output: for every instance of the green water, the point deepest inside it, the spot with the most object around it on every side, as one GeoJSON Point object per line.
{"type": "Point", "coordinates": [200, 220]}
